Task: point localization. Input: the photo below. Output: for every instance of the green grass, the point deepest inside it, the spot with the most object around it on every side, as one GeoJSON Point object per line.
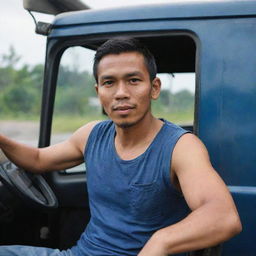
{"type": "Point", "coordinates": [70, 123]}
{"type": "Point", "coordinates": [62, 124]}
{"type": "Point", "coordinates": [19, 117]}
{"type": "Point", "coordinates": [181, 118]}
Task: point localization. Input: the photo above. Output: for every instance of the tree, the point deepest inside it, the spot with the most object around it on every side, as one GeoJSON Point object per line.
{"type": "Point", "coordinates": [18, 100]}
{"type": "Point", "coordinates": [11, 58]}
{"type": "Point", "coordinates": [183, 101]}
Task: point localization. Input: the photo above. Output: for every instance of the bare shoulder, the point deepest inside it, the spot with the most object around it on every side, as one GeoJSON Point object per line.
{"type": "Point", "coordinates": [188, 149]}
{"type": "Point", "coordinates": [190, 140]}
{"type": "Point", "coordinates": [80, 136]}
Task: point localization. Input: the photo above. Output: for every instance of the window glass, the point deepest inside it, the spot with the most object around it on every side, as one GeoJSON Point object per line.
{"type": "Point", "coordinates": [76, 102]}
{"type": "Point", "coordinates": [177, 97]}
{"type": "Point", "coordinates": [20, 98]}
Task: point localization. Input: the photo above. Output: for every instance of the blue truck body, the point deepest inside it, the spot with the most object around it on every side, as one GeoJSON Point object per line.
{"type": "Point", "coordinates": [224, 35]}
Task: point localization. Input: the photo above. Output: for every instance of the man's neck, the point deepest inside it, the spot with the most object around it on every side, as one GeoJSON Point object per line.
{"type": "Point", "coordinates": [133, 141]}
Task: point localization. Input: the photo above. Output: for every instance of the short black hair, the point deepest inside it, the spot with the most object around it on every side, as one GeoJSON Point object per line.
{"type": "Point", "coordinates": [121, 45]}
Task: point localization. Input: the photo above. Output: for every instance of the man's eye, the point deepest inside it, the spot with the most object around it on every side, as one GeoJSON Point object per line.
{"type": "Point", "coordinates": [107, 83]}
{"type": "Point", "coordinates": [134, 80]}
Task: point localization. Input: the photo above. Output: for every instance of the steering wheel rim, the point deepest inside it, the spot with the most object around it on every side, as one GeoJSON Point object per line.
{"type": "Point", "coordinates": [30, 187]}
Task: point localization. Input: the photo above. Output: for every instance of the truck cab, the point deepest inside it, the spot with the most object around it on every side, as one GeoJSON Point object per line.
{"type": "Point", "coordinates": [212, 43]}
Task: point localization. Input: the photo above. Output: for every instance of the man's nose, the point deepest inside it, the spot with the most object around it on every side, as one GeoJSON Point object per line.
{"type": "Point", "coordinates": [122, 91]}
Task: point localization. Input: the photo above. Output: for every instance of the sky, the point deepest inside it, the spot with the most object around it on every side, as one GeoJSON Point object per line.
{"type": "Point", "coordinates": [17, 28]}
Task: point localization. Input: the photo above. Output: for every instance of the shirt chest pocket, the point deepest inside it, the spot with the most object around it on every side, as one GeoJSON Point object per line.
{"type": "Point", "coordinates": [146, 201]}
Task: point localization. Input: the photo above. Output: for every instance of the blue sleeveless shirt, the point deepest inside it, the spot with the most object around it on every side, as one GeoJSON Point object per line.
{"type": "Point", "coordinates": [129, 199]}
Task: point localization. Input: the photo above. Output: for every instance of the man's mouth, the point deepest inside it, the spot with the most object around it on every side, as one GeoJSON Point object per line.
{"type": "Point", "coordinates": [123, 109]}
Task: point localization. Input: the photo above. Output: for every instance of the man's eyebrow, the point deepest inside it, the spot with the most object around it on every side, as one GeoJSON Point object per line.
{"type": "Point", "coordinates": [136, 73]}
{"type": "Point", "coordinates": [106, 77]}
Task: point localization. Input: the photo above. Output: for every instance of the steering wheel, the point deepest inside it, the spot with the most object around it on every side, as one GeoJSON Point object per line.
{"type": "Point", "coordinates": [30, 187]}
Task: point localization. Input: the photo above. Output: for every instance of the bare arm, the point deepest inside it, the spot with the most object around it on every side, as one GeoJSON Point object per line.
{"type": "Point", "coordinates": [214, 217]}
{"type": "Point", "coordinates": [56, 157]}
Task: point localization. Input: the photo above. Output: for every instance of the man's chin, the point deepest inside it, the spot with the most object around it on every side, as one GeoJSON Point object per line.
{"type": "Point", "coordinates": [127, 122]}
{"type": "Point", "coordinates": [125, 125]}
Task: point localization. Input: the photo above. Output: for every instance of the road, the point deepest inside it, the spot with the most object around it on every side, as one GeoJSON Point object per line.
{"type": "Point", "coordinates": [27, 132]}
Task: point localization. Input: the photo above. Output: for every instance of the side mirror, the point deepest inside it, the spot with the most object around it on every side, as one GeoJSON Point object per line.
{"type": "Point", "coordinates": [54, 6]}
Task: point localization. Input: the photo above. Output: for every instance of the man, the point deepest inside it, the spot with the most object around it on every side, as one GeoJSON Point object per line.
{"type": "Point", "coordinates": [152, 189]}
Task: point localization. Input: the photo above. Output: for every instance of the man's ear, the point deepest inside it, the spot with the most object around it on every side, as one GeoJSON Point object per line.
{"type": "Point", "coordinates": [156, 88]}
{"type": "Point", "coordinates": [96, 88]}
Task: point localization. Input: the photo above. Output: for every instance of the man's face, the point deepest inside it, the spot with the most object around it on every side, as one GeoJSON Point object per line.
{"type": "Point", "coordinates": [124, 88]}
